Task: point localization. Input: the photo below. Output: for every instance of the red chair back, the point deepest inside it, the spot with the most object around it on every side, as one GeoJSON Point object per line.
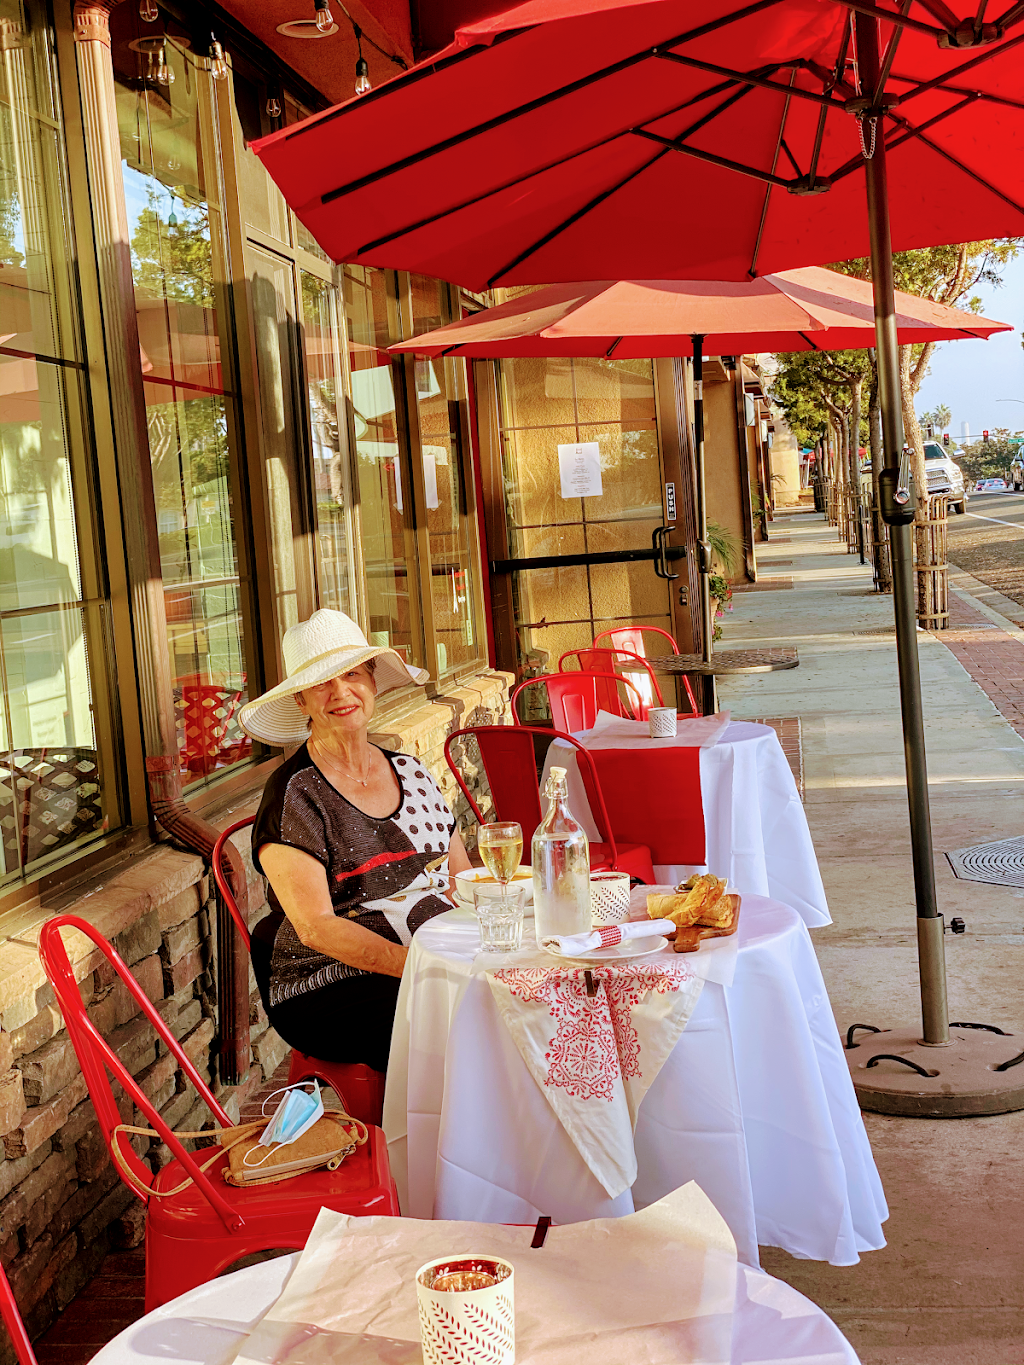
{"type": "Point", "coordinates": [14, 1322]}
{"type": "Point", "coordinates": [596, 660]}
{"type": "Point", "coordinates": [510, 764]}
{"type": "Point", "coordinates": [222, 882]}
{"type": "Point", "coordinates": [96, 1058]}
{"type": "Point", "coordinates": [575, 700]}
{"type": "Point", "coordinates": [630, 640]}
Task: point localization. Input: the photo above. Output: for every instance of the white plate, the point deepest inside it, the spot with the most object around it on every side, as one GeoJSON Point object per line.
{"type": "Point", "coordinates": [633, 947]}
{"type": "Point", "coordinates": [463, 880]}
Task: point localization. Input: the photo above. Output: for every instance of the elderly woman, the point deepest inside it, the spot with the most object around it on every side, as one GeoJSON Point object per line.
{"type": "Point", "coordinates": [357, 844]}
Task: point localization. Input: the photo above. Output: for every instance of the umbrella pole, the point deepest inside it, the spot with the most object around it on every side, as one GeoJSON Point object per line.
{"type": "Point", "coordinates": [930, 926]}
{"type": "Point", "coordinates": [703, 548]}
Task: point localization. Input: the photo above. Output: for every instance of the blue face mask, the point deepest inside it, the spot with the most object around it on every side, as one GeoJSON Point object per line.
{"type": "Point", "coordinates": [295, 1115]}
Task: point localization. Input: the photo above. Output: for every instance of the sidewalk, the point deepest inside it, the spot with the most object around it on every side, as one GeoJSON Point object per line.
{"type": "Point", "coordinates": [950, 1285]}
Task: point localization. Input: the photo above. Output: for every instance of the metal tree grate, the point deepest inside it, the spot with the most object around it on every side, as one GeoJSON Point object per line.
{"type": "Point", "coordinates": [1000, 863]}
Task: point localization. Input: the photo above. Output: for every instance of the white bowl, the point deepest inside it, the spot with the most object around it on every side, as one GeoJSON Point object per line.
{"type": "Point", "coordinates": [464, 880]}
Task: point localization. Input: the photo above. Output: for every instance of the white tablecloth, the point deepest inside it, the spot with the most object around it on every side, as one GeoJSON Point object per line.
{"type": "Point", "coordinates": [207, 1326]}
{"type": "Point", "coordinates": [755, 1104]}
{"type": "Point", "coordinates": [754, 823]}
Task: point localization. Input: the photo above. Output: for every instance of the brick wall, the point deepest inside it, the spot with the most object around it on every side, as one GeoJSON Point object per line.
{"type": "Point", "coordinates": [62, 1205]}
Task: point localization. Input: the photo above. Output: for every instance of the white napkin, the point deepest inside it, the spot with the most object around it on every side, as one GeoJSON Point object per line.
{"type": "Point", "coordinates": [607, 936]}
{"type": "Point", "coordinates": [615, 732]}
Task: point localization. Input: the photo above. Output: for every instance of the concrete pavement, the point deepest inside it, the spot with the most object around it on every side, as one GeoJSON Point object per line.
{"type": "Point", "coordinates": [950, 1285]}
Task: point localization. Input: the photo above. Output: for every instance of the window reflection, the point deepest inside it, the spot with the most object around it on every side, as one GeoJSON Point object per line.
{"type": "Point", "coordinates": [174, 227]}
{"type": "Point", "coordinates": [51, 788]}
{"type": "Point", "coordinates": [392, 601]}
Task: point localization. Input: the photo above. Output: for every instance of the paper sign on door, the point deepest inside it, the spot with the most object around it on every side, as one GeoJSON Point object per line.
{"type": "Point", "coordinates": [579, 468]}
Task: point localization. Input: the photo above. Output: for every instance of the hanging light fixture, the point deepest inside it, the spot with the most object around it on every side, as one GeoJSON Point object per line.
{"type": "Point", "coordinates": [324, 17]}
{"type": "Point", "coordinates": [164, 74]}
{"type": "Point", "coordinates": [148, 11]}
{"type": "Point", "coordinates": [172, 217]}
{"type": "Point", "coordinates": [362, 70]}
{"type": "Point", "coordinates": [273, 105]}
{"type": "Point", "coordinates": [218, 62]}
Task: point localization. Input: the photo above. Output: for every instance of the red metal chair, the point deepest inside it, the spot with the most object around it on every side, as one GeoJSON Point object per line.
{"type": "Point", "coordinates": [358, 1087]}
{"type": "Point", "coordinates": [595, 660]}
{"type": "Point", "coordinates": [576, 698]}
{"type": "Point", "coordinates": [195, 1233]}
{"type": "Point", "coordinates": [14, 1322]}
{"type": "Point", "coordinates": [509, 761]}
{"type": "Point", "coordinates": [631, 638]}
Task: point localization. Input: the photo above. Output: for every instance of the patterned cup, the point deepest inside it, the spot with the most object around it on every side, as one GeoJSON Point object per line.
{"type": "Point", "coordinates": [467, 1310]}
{"type": "Point", "coordinates": [662, 721]}
{"type": "Point", "coordinates": [609, 897]}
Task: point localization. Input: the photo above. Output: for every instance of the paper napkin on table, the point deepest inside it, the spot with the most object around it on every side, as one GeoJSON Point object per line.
{"type": "Point", "coordinates": [615, 732]}
{"type": "Point", "coordinates": [652, 1288]}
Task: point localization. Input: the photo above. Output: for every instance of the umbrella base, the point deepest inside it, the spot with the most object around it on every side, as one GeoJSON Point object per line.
{"type": "Point", "coordinates": [964, 1085]}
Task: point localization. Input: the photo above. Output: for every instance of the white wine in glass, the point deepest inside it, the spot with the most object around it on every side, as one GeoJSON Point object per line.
{"type": "Point", "coordinates": [501, 847]}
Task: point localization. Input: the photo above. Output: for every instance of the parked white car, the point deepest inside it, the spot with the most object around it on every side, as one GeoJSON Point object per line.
{"type": "Point", "coordinates": [945, 475]}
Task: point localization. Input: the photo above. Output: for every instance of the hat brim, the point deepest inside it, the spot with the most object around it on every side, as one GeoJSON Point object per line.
{"type": "Point", "coordinates": [275, 718]}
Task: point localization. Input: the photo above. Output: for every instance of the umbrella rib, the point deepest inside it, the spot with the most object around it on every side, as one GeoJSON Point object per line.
{"type": "Point", "coordinates": [909, 131]}
{"type": "Point", "coordinates": [941, 11]}
{"type": "Point", "coordinates": [809, 341]}
{"type": "Point", "coordinates": [984, 95]}
{"type": "Point", "coordinates": [608, 353]}
{"type": "Point", "coordinates": [723, 161]}
{"type": "Point", "coordinates": [948, 156]}
{"type": "Point", "coordinates": [893, 17]}
{"type": "Point", "coordinates": [890, 53]}
{"type": "Point", "coordinates": [540, 102]}
{"type": "Point", "coordinates": [750, 78]}
{"type": "Point", "coordinates": [1011, 15]}
{"type": "Point", "coordinates": [752, 272]}
{"type": "Point", "coordinates": [792, 159]}
{"type": "Point", "coordinates": [477, 199]}
{"type": "Point", "coordinates": [988, 55]}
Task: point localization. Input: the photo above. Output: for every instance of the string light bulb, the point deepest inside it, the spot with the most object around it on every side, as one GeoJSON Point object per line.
{"type": "Point", "coordinates": [324, 17]}
{"type": "Point", "coordinates": [164, 74]}
{"type": "Point", "coordinates": [273, 107]}
{"type": "Point", "coordinates": [148, 11]}
{"type": "Point", "coordinates": [218, 63]}
{"type": "Point", "coordinates": [362, 70]}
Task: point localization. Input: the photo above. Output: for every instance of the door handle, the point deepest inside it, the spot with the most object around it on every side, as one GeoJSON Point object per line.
{"type": "Point", "coordinates": [658, 538]}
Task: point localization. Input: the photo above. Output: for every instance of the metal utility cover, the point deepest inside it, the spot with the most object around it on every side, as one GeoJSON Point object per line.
{"type": "Point", "coordinates": [1000, 863]}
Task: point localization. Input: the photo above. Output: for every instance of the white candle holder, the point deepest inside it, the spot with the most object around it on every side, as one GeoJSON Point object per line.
{"type": "Point", "coordinates": [467, 1311]}
{"type": "Point", "coordinates": [662, 721]}
{"type": "Point", "coordinates": [609, 897]}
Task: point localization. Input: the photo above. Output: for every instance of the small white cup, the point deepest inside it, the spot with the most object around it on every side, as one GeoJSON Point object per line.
{"type": "Point", "coordinates": [609, 897]}
{"type": "Point", "coordinates": [461, 1322]}
{"type": "Point", "coordinates": [662, 721]}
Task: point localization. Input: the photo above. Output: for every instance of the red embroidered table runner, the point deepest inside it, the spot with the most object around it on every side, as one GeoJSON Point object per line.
{"type": "Point", "coordinates": [653, 797]}
{"type": "Point", "coordinates": [595, 1057]}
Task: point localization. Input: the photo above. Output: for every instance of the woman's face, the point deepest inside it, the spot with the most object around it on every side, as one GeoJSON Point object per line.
{"type": "Point", "coordinates": [341, 706]}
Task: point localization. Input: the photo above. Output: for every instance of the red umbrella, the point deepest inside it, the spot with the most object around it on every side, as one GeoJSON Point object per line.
{"type": "Point", "coordinates": [797, 310]}
{"type": "Point", "coordinates": [597, 139]}
{"type": "Point", "coordinates": [668, 139]}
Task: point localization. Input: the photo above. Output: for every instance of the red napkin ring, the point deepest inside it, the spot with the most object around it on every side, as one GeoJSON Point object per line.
{"type": "Point", "coordinates": [610, 934]}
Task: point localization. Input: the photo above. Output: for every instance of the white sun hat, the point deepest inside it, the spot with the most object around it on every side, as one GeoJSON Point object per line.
{"type": "Point", "coordinates": [315, 651]}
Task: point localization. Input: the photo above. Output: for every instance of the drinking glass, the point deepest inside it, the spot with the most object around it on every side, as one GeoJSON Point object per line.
{"type": "Point", "coordinates": [500, 917]}
{"type": "Point", "coordinates": [501, 847]}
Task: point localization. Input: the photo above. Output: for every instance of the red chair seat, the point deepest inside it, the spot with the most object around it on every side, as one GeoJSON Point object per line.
{"type": "Point", "coordinates": [632, 858]}
{"type": "Point", "coordinates": [185, 1241]}
{"type": "Point", "coordinates": [360, 1089]}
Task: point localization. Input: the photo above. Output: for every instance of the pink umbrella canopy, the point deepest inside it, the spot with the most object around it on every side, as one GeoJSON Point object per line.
{"type": "Point", "coordinates": [796, 310]}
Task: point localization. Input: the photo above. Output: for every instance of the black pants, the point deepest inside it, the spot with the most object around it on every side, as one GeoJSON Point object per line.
{"type": "Point", "coordinates": [347, 1021]}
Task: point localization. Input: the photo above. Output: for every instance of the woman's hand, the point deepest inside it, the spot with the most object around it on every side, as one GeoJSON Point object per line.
{"type": "Point", "coordinates": [458, 861]}
{"type": "Point", "coordinates": [300, 884]}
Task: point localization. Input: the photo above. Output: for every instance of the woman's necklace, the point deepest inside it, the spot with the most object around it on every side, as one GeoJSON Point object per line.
{"type": "Point", "coordinates": [333, 763]}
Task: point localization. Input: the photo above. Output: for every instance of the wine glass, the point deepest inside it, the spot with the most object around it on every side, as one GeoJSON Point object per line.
{"type": "Point", "coordinates": [501, 847]}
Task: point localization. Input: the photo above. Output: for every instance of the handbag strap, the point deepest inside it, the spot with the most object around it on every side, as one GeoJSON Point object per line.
{"type": "Point", "coordinates": [226, 1139]}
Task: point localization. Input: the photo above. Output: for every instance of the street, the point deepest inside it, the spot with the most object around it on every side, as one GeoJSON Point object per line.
{"type": "Point", "coordinates": [988, 541]}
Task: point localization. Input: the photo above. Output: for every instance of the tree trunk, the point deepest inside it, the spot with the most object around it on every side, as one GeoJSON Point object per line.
{"type": "Point", "coordinates": [912, 431]}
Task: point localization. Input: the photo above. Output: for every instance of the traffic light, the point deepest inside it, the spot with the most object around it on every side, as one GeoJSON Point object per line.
{"type": "Point", "coordinates": [984, 435]}
{"type": "Point", "coordinates": [945, 438]}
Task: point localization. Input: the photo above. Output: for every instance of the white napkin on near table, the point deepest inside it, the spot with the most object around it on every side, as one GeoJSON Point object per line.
{"type": "Point", "coordinates": [607, 936]}
{"type": "Point", "coordinates": [615, 732]}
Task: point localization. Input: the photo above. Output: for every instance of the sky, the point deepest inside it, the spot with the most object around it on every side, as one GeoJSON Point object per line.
{"type": "Point", "coordinates": [972, 376]}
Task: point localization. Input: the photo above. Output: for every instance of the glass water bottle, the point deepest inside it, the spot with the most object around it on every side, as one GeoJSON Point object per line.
{"type": "Point", "coordinates": [561, 867]}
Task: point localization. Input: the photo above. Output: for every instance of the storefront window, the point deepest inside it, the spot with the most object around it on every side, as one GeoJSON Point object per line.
{"type": "Point", "coordinates": [169, 151]}
{"type": "Point", "coordinates": [392, 603]}
{"type": "Point", "coordinates": [440, 401]}
{"type": "Point", "coordinates": [56, 786]}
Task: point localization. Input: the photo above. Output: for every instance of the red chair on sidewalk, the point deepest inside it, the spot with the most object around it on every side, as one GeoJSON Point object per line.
{"type": "Point", "coordinates": [15, 1324]}
{"type": "Point", "coordinates": [576, 698]}
{"type": "Point", "coordinates": [599, 660]}
{"type": "Point", "coordinates": [631, 638]}
{"type": "Point", "coordinates": [509, 761]}
{"type": "Point", "coordinates": [195, 1233]}
{"type": "Point", "coordinates": [360, 1089]}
